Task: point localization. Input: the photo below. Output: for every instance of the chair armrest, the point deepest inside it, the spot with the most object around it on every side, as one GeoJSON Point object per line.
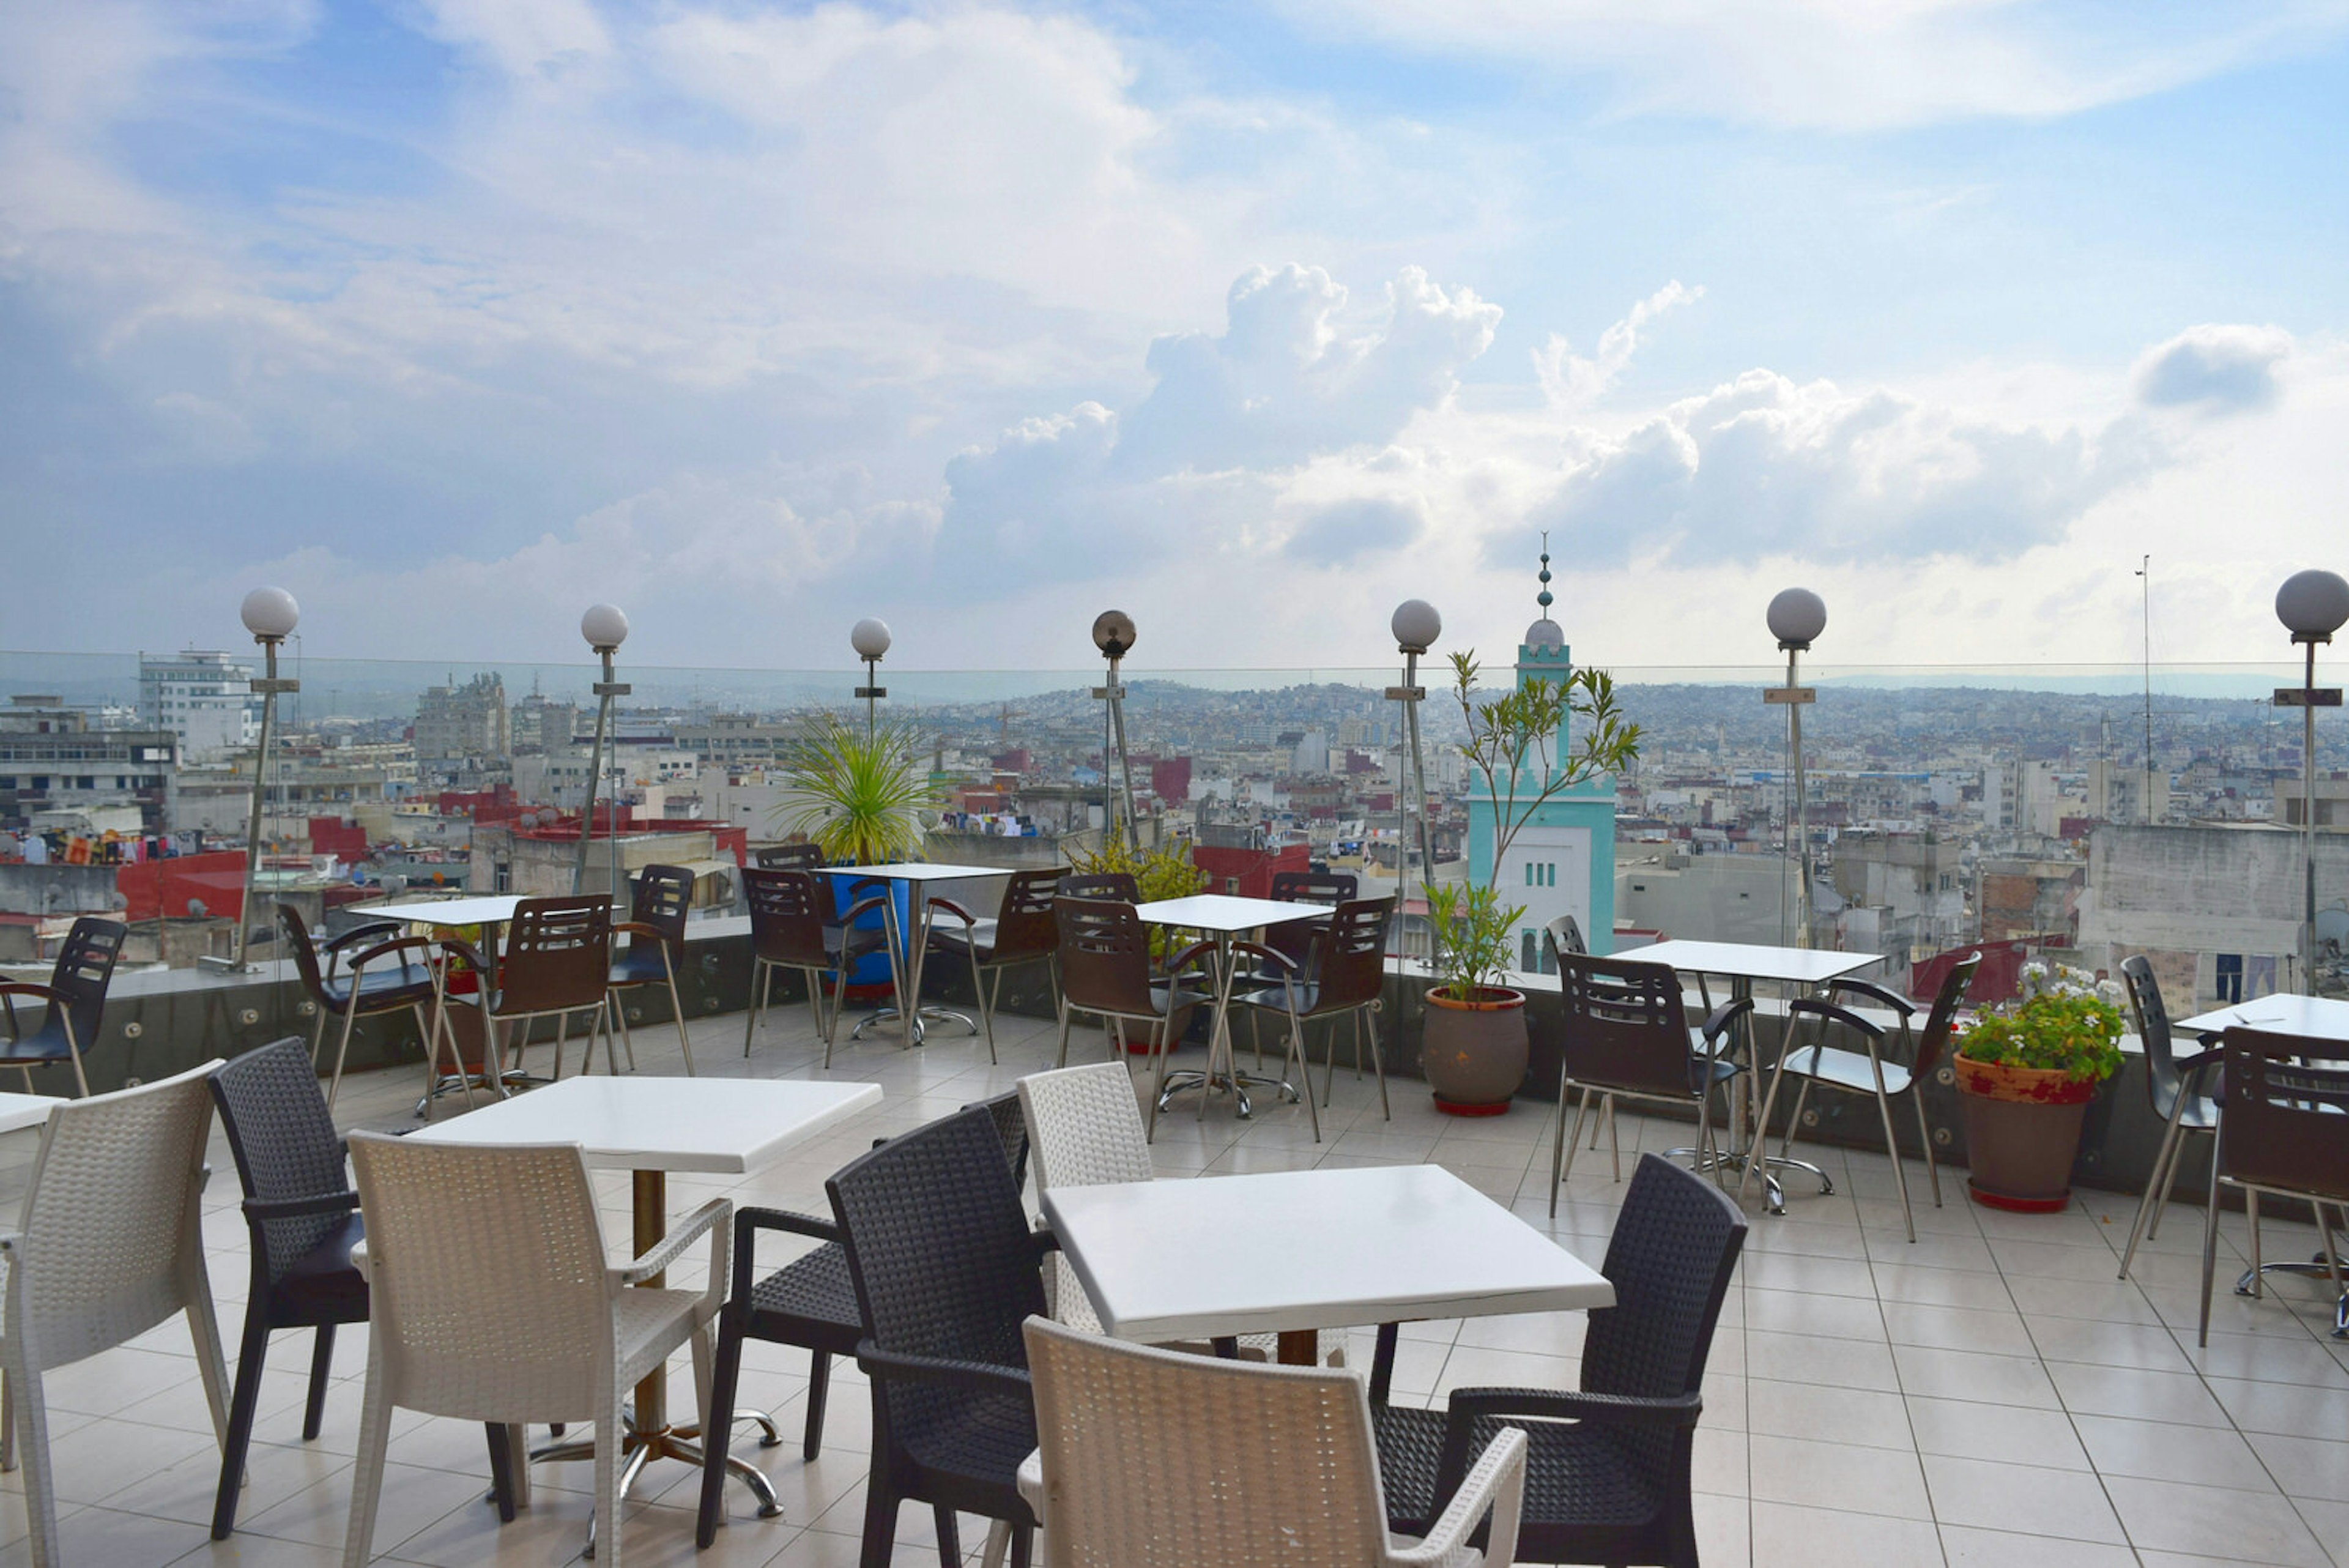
{"type": "Point", "coordinates": [10, 1240]}
{"type": "Point", "coordinates": [459, 947]}
{"type": "Point", "coordinates": [2200, 1059]}
{"type": "Point", "coordinates": [949, 906]}
{"type": "Point", "coordinates": [29, 988]}
{"type": "Point", "coordinates": [1187, 957]}
{"type": "Point", "coordinates": [673, 1245]}
{"type": "Point", "coordinates": [864, 906]}
{"type": "Point", "coordinates": [1468, 1405]}
{"type": "Point", "coordinates": [1030, 1479]}
{"type": "Point", "coordinates": [1497, 1485]}
{"type": "Point", "coordinates": [260, 1209]}
{"type": "Point", "coordinates": [398, 944]}
{"type": "Point", "coordinates": [364, 931]}
{"type": "Point", "coordinates": [1287, 965]}
{"type": "Point", "coordinates": [1877, 993]}
{"type": "Point", "coordinates": [637, 928]}
{"type": "Point", "coordinates": [938, 1372]}
{"type": "Point", "coordinates": [1727, 1013]}
{"type": "Point", "coordinates": [748, 1223]}
{"type": "Point", "coordinates": [1833, 1014]}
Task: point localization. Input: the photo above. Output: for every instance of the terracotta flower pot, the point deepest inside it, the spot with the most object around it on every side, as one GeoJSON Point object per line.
{"type": "Point", "coordinates": [1472, 1052]}
{"type": "Point", "coordinates": [2023, 1133]}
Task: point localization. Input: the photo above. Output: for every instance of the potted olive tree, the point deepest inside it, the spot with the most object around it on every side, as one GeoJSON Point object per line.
{"type": "Point", "coordinates": [2026, 1071]}
{"type": "Point", "coordinates": [1473, 1044]}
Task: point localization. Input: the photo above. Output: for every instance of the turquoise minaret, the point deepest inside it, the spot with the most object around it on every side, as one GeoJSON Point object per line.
{"type": "Point", "coordinates": [1562, 861]}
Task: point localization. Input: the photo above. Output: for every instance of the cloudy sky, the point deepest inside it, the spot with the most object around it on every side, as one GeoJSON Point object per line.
{"type": "Point", "coordinates": [455, 316]}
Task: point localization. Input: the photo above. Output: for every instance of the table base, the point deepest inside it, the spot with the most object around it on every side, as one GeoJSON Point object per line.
{"type": "Point", "coordinates": [1235, 1083]}
{"type": "Point", "coordinates": [667, 1443]}
{"type": "Point", "coordinates": [921, 1016]}
{"type": "Point", "coordinates": [2315, 1268]}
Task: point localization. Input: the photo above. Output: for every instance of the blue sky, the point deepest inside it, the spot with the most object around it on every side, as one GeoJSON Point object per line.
{"type": "Point", "coordinates": [454, 316]}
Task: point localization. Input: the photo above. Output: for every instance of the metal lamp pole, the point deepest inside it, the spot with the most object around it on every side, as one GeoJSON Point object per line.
{"type": "Point", "coordinates": [2313, 606]}
{"type": "Point", "coordinates": [1114, 634]}
{"type": "Point", "coordinates": [270, 615]}
{"type": "Point", "coordinates": [1796, 616]}
{"type": "Point", "coordinates": [605, 628]}
{"type": "Point", "coordinates": [870, 638]}
{"type": "Point", "coordinates": [1416, 625]}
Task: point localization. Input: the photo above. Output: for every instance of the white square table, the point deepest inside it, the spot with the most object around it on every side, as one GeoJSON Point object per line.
{"type": "Point", "coordinates": [491, 912]}
{"type": "Point", "coordinates": [1293, 1252]}
{"type": "Point", "coordinates": [18, 1111]}
{"type": "Point", "coordinates": [909, 946]}
{"type": "Point", "coordinates": [1222, 917]}
{"type": "Point", "coordinates": [648, 1128]}
{"type": "Point", "coordinates": [1742, 963]}
{"type": "Point", "coordinates": [2318, 1017]}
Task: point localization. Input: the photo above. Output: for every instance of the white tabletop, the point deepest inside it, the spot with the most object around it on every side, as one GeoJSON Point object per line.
{"type": "Point", "coordinates": [2319, 1017]}
{"type": "Point", "coordinates": [725, 1124]}
{"type": "Point", "coordinates": [26, 1110]}
{"type": "Point", "coordinates": [909, 871]}
{"type": "Point", "coordinates": [1744, 960]}
{"type": "Point", "coordinates": [1187, 1259]}
{"type": "Point", "coordinates": [1222, 912]}
{"type": "Point", "coordinates": [483, 909]}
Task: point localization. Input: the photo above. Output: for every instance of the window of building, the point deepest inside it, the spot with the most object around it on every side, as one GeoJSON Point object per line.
{"type": "Point", "coordinates": [1528, 954]}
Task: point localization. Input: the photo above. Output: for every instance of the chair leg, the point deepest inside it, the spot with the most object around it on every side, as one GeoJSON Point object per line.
{"type": "Point", "coordinates": [2168, 1184]}
{"type": "Point", "coordinates": [1562, 1152]}
{"type": "Point", "coordinates": [818, 1387]}
{"type": "Point", "coordinates": [949, 1539]}
{"type": "Point", "coordinates": [761, 973]}
{"type": "Point", "coordinates": [619, 1014]}
{"type": "Point", "coordinates": [1378, 1063]}
{"type": "Point", "coordinates": [2148, 1206]}
{"type": "Point", "coordinates": [1925, 1139]}
{"type": "Point", "coordinates": [880, 1522]}
{"type": "Point", "coordinates": [1023, 1545]}
{"type": "Point", "coordinates": [250, 1356]}
{"type": "Point", "coordinates": [978, 993]}
{"type": "Point", "coordinates": [1899, 1173]}
{"type": "Point", "coordinates": [366, 1475]}
{"type": "Point", "coordinates": [501, 1469]}
{"type": "Point", "coordinates": [30, 1432]}
{"type": "Point", "coordinates": [839, 999]}
{"type": "Point", "coordinates": [608, 1471]}
{"type": "Point", "coordinates": [342, 1051]}
{"type": "Point", "coordinates": [676, 1011]}
{"type": "Point", "coordinates": [716, 1428]}
{"type": "Point", "coordinates": [322, 1367]}
{"type": "Point", "coordinates": [2252, 1214]}
{"type": "Point", "coordinates": [2209, 1239]}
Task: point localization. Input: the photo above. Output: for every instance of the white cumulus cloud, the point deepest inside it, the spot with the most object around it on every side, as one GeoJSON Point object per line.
{"type": "Point", "coordinates": [2214, 370]}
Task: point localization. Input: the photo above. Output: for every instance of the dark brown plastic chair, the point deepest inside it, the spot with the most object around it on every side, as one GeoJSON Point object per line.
{"type": "Point", "coordinates": [656, 929]}
{"type": "Point", "coordinates": [1343, 973]}
{"type": "Point", "coordinates": [1873, 1070]}
{"type": "Point", "coordinates": [557, 964]}
{"type": "Point", "coordinates": [1104, 955]}
{"type": "Point", "coordinates": [792, 926]}
{"type": "Point", "coordinates": [1025, 932]}
{"type": "Point", "coordinates": [2284, 1130]}
{"type": "Point", "coordinates": [1624, 1033]}
{"type": "Point", "coordinates": [2179, 1090]}
{"type": "Point", "coordinates": [790, 857]}
{"type": "Point", "coordinates": [75, 996]}
{"type": "Point", "coordinates": [356, 993]}
{"type": "Point", "coordinates": [1293, 939]}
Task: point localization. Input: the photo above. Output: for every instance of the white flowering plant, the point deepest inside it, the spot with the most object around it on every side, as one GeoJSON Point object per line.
{"type": "Point", "coordinates": [2062, 1019]}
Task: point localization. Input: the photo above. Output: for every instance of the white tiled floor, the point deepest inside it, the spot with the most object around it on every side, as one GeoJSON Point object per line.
{"type": "Point", "coordinates": [1990, 1395]}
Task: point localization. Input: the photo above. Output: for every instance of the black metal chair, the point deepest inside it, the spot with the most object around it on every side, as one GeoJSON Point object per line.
{"type": "Point", "coordinates": [1025, 932]}
{"type": "Point", "coordinates": [2179, 1090]}
{"type": "Point", "coordinates": [656, 929]}
{"type": "Point", "coordinates": [1624, 1031]}
{"type": "Point", "coordinates": [1870, 1070]}
{"type": "Point", "coordinates": [303, 1216]}
{"type": "Point", "coordinates": [365, 988]}
{"type": "Point", "coordinates": [2283, 1130]}
{"type": "Point", "coordinates": [793, 927]}
{"type": "Point", "coordinates": [1342, 973]}
{"type": "Point", "coordinates": [946, 1271]}
{"type": "Point", "coordinates": [1608, 1467]}
{"type": "Point", "coordinates": [809, 1302]}
{"type": "Point", "coordinates": [75, 998]}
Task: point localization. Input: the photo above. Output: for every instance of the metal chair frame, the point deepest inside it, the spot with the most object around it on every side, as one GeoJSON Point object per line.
{"type": "Point", "coordinates": [1343, 973]}
{"type": "Point", "coordinates": [351, 1002]}
{"type": "Point", "coordinates": [2283, 1130]}
{"type": "Point", "coordinates": [1025, 932]}
{"type": "Point", "coordinates": [2178, 1090]}
{"type": "Point", "coordinates": [76, 990]}
{"type": "Point", "coordinates": [656, 914]}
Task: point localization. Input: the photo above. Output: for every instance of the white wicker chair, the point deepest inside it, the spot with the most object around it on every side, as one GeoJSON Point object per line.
{"type": "Point", "coordinates": [1085, 1129]}
{"type": "Point", "coordinates": [515, 1315]}
{"type": "Point", "coordinates": [111, 1244]}
{"type": "Point", "coordinates": [1151, 1459]}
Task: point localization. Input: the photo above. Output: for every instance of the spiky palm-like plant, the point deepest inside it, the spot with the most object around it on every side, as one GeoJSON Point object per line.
{"type": "Point", "coordinates": [860, 796]}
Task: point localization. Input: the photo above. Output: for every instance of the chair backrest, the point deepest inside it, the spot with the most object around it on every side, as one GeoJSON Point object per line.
{"type": "Point", "coordinates": [85, 968]}
{"type": "Point", "coordinates": [306, 952]}
{"type": "Point", "coordinates": [1024, 924]}
{"type": "Point", "coordinates": [788, 910]}
{"type": "Point", "coordinates": [1011, 1128]}
{"type": "Point", "coordinates": [285, 1144]}
{"type": "Point", "coordinates": [1623, 1024]}
{"type": "Point", "coordinates": [663, 896]}
{"type": "Point", "coordinates": [2162, 1082]}
{"type": "Point", "coordinates": [1118, 884]}
{"type": "Point", "coordinates": [1566, 933]}
{"type": "Point", "coordinates": [502, 1313]}
{"type": "Point", "coordinates": [1084, 1127]}
{"type": "Point", "coordinates": [1669, 1260]}
{"type": "Point", "coordinates": [1295, 940]}
{"type": "Point", "coordinates": [2285, 1123]}
{"type": "Point", "coordinates": [110, 1219]}
{"type": "Point", "coordinates": [1104, 955]}
{"type": "Point", "coordinates": [558, 954]}
{"type": "Point", "coordinates": [938, 1246]}
{"type": "Point", "coordinates": [790, 857]}
{"type": "Point", "coordinates": [1153, 1459]}
{"type": "Point", "coordinates": [1942, 1019]}
{"type": "Point", "coordinates": [1349, 957]}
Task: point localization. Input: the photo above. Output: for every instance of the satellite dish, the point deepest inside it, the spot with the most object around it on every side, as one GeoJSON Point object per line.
{"type": "Point", "coordinates": [196, 910]}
